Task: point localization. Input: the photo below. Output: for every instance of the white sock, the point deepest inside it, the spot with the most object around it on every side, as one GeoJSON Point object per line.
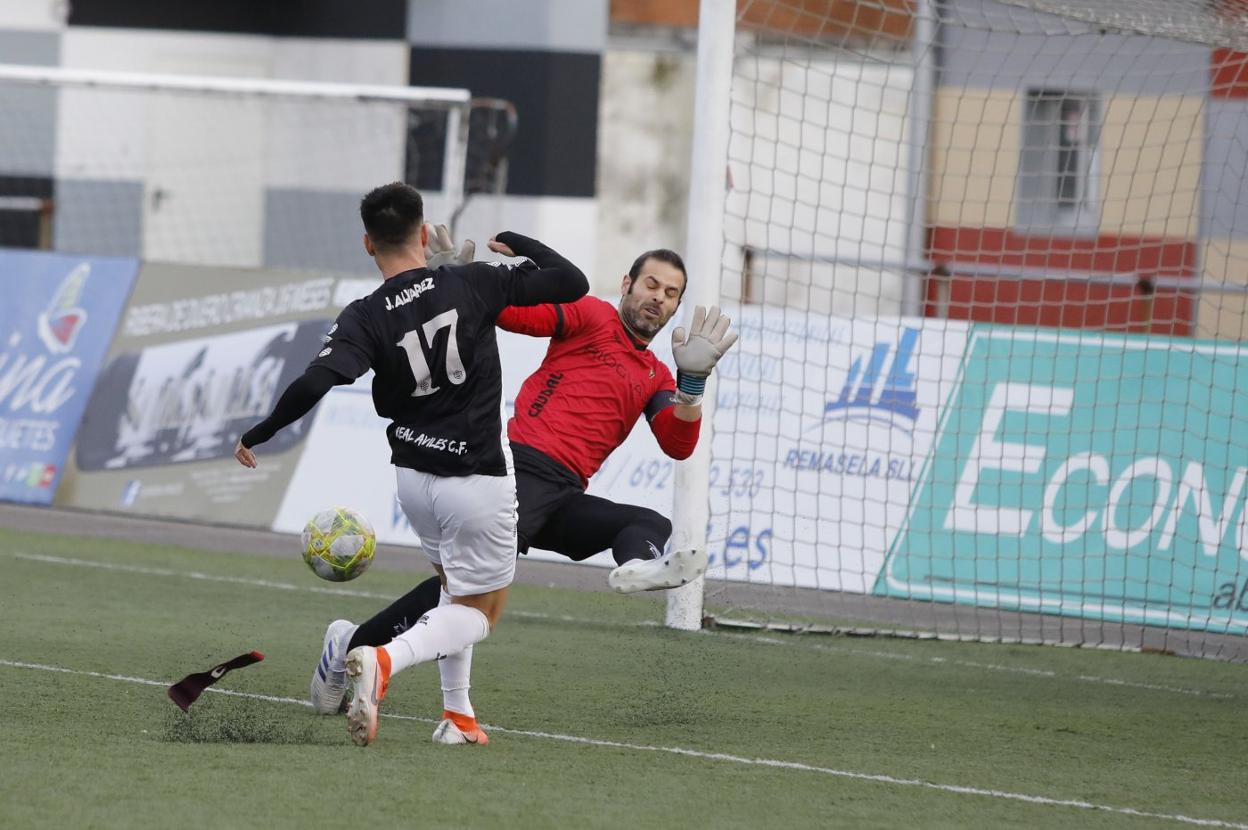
{"type": "Point", "coordinates": [456, 670]}
{"type": "Point", "coordinates": [445, 630]}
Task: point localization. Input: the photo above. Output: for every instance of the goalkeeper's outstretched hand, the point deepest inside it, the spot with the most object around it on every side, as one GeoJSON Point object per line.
{"type": "Point", "coordinates": [441, 249]}
{"type": "Point", "coordinates": [698, 350]}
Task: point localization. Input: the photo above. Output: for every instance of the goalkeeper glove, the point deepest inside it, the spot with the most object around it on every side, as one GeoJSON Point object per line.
{"type": "Point", "coordinates": [441, 249]}
{"type": "Point", "coordinates": [697, 351]}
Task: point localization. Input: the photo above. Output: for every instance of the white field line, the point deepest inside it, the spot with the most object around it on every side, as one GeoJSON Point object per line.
{"type": "Point", "coordinates": [241, 580]}
{"type": "Point", "coordinates": [536, 615]}
{"type": "Point", "coordinates": [970, 664]}
{"type": "Point", "coordinates": [721, 757]}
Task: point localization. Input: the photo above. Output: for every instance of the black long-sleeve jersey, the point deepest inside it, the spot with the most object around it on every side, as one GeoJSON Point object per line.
{"type": "Point", "coordinates": [429, 338]}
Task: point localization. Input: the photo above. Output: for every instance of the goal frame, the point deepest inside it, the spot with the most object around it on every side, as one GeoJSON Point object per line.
{"type": "Point", "coordinates": [456, 102]}
{"type": "Point", "coordinates": [925, 283]}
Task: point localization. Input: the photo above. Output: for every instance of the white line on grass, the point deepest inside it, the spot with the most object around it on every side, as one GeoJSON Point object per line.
{"type": "Point", "coordinates": [1082, 678]}
{"type": "Point", "coordinates": [535, 615]}
{"type": "Point", "coordinates": [242, 580]}
{"type": "Point", "coordinates": [233, 580]}
{"type": "Point", "coordinates": [771, 763]}
{"type": "Point", "coordinates": [143, 681]}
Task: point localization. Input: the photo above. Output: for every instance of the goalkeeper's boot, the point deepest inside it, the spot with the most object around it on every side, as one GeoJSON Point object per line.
{"type": "Point", "coordinates": [329, 681]}
{"type": "Point", "coordinates": [459, 729]}
{"type": "Point", "coordinates": [369, 670]}
{"type": "Point", "coordinates": [671, 570]}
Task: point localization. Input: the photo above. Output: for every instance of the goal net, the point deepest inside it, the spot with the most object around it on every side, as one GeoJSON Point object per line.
{"type": "Point", "coordinates": [227, 171]}
{"type": "Point", "coordinates": [989, 262]}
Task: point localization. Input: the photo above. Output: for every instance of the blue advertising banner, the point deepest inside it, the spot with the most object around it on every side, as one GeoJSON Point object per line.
{"type": "Point", "coordinates": [57, 317]}
{"type": "Point", "coordinates": [1085, 474]}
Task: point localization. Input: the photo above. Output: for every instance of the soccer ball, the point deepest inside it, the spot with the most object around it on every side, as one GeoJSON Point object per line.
{"type": "Point", "coordinates": [338, 544]}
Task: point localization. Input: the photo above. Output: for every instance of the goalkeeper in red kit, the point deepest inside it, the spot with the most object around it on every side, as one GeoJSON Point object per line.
{"type": "Point", "coordinates": [597, 379]}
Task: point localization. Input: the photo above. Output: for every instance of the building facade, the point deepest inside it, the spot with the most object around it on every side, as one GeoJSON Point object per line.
{"type": "Point", "coordinates": [1079, 177]}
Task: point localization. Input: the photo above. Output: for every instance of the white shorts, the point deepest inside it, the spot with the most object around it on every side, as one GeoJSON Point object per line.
{"type": "Point", "coordinates": [466, 524]}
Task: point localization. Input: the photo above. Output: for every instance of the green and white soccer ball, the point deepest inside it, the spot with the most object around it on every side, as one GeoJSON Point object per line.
{"type": "Point", "coordinates": [338, 544]}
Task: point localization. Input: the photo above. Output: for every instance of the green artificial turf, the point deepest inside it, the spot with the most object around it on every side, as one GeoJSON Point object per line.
{"type": "Point", "coordinates": [639, 726]}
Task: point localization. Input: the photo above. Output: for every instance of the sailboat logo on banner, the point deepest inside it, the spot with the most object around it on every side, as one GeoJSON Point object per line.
{"type": "Point", "coordinates": [61, 321]}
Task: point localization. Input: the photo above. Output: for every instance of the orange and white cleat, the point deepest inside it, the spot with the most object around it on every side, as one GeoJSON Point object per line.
{"type": "Point", "coordinates": [459, 729]}
{"type": "Point", "coordinates": [369, 670]}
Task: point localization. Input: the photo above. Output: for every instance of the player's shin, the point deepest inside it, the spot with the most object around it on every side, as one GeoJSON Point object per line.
{"type": "Point", "coordinates": [455, 671]}
{"type": "Point", "coordinates": [444, 631]}
{"type": "Point", "coordinates": [399, 616]}
{"type": "Point", "coordinates": [644, 538]}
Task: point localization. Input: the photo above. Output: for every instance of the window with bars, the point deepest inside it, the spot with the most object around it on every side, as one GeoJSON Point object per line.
{"type": "Point", "coordinates": [1058, 163]}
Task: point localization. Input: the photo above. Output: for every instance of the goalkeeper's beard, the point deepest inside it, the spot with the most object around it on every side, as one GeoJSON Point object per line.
{"type": "Point", "coordinates": [642, 327]}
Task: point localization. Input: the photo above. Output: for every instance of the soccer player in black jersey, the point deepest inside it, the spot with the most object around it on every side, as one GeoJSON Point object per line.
{"type": "Point", "coordinates": [597, 380]}
{"type": "Point", "coordinates": [429, 338]}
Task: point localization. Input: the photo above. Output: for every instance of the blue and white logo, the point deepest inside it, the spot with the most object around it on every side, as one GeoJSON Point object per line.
{"type": "Point", "coordinates": [869, 394]}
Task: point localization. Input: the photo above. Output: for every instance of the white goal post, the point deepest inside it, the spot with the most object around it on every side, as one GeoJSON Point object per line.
{"type": "Point", "coordinates": [704, 250]}
{"type": "Point", "coordinates": [989, 259]}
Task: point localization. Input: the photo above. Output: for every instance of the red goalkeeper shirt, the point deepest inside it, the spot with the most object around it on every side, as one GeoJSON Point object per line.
{"type": "Point", "coordinates": [592, 386]}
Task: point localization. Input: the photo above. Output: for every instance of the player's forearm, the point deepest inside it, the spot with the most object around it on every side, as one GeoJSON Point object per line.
{"type": "Point", "coordinates": [554, 286]}
{"type": "Point", "coordinates": [303, 393]}
{"type": "Point", "coordinates": [676, 432]}
{"type": "Point", "coordinates": [556, 279]}
{"type": "Point", "coordinates": [526, 246]}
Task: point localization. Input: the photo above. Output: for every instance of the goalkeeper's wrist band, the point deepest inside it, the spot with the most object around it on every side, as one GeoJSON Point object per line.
{"type": "Point", "coordinates": [690, 384]}
{"type": "Point", "coordinates": [689, 389]}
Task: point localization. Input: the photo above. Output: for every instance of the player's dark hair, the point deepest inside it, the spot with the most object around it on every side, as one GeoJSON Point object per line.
{"type": "Point", "coordinates": [662, 255]}
{"type": "Point", "coordinates": [392, 213]}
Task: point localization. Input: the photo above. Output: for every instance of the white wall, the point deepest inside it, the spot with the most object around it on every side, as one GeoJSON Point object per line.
{"type": "Point", "coordinates": [33, 15]}
{"type": "Point", "coordinates": [818, 165]}
{"type": "Point", "coordinates": [207, 163]}
{"type": "Point", "coordinates": [645, 133]}
{"type": "Point", "coordinates": [819, 169]}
